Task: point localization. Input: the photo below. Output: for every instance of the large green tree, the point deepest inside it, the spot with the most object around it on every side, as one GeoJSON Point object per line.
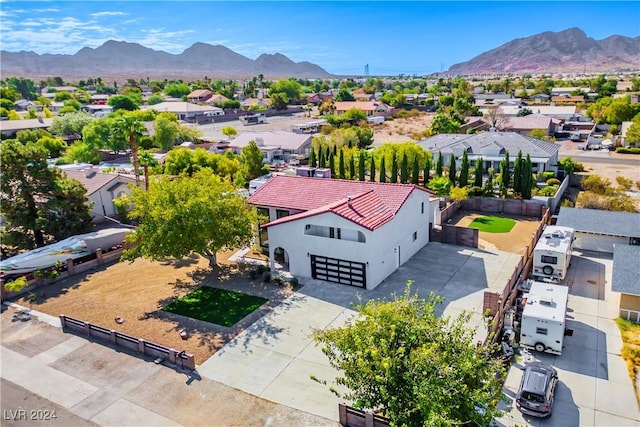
{"type": "Point", "coordinates": [166, 130]}
{"type": "Point", "coordinates": [200, 214]}
{"type": "Point", "coordinates": [400, 358]}
{"type": "Point", "coordinates": [252, 159]}
{"type": "Point", "coordinates": [70, 123]}
{"type": "Point", "coordinates": [37, 202]}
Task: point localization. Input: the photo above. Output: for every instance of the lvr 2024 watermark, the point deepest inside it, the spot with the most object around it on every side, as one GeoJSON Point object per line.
{"type": "Point", "coordinates": [29, 414]}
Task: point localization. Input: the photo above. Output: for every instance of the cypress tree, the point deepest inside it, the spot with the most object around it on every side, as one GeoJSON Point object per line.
{"type": "Point", "coordinates": [452, 169]}
{"type": "Point", "coordinates": [518, 174]}
{"type": "Point", "coordinates": [415, 171]}
{"type": "Point", "coordinates": [335, 149]}
{"type": "Point", "coordinates": [321, 162]}
{"type": "Point", "coordinates": [332, 165]}
{"type": "Point", "coordinates": [372, 169]}
{"type": "Point", "coordinates": [361, 160]}
{"type": "Point", "coordinates": [352, 168]}
{"type": "Point", "coordinates": [477, 178]}
{"type": "Point", "coordinates": [394, 168]}
{"type": "Point", "coordinates": [312, 158]}
{"type": "Point", "coordinates": [341, 171]}
{"type": "Point", "coordinates": [404, 169]}
{"type": "Point", "coordinates": [527, 181]}
{"type": "Point", "coordinates": [464, 170]}
{"type": "Point", "coordinates": [438, 165]}
{"type": "Point", "coordinates": [383, 171]}
{"type": "Point", "coordinates": [328, 153]}
{"type": "Point", "coordinates": [507, 176]}
{"type": "Point", "coordinates": [426, 172]}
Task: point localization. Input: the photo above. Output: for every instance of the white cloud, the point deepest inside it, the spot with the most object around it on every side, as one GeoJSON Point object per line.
{"type": "Point", "coordinates": [99, 14]}
{"type": "Point", "coordinates": [46, 10]}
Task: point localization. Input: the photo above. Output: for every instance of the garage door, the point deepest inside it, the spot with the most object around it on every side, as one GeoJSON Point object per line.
{"type": "Point", "coordinates": [597, 242]}
{"type": "Point", "coordinates": [338, 271]}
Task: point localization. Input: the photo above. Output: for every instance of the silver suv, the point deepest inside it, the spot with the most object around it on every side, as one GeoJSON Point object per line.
{"type": "Point", "coordinates": [535, 395]}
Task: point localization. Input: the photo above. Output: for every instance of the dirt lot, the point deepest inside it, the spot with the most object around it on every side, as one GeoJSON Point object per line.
{"type": "Point", "coordinates": [514, 241]}
{"type": "Point", "coordinates": [401, 130]}
{"type": "Point", "coordinates": [137, 291]}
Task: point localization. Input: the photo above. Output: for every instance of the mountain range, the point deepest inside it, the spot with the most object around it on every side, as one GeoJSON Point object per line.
{"type": "Point", "coordinates": [123, 59]}
{"type": "Point", "coordinates": [549, 52]}
{"type": "Point", "coordinates": [565, 51]}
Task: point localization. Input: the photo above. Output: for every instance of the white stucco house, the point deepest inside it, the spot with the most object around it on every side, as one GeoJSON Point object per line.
{"type": "Point", "coordinates": [277, 146]}
{"type": "Point", "coordinates": [349, 232]}
{"type": "Point", "coordinates": [102, 189]}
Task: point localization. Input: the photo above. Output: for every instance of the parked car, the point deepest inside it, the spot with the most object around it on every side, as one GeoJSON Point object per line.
{"type": "Point", "coordinates": [536, 393]}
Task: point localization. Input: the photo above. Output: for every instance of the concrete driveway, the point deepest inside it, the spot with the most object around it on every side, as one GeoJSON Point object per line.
{"type": "Point", "coordinates": [276, 358]}
{"type": "Point", "coordinates": [594, 387]}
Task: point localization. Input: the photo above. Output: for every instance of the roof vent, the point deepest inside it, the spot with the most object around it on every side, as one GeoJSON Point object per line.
{"type": "Point", "coordinates": [546, 300]}
{"type": "Point", "coordinates": [90, 172]}
{"type": "Point", "coordinates": [260, 141]}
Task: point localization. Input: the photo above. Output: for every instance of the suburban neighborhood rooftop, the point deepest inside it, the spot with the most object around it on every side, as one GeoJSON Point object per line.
{"type": "Point", "coordinates": [597, 221]}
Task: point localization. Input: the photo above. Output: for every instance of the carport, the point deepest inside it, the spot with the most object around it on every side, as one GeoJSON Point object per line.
{"type": "Point", "coordinates": [598, 230]}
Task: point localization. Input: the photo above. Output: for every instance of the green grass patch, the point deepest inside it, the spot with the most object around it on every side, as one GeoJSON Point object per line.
{"type": "Point", "coordinates": [214, 305]}
{"type": "Point", "coordinates": [493, 224]}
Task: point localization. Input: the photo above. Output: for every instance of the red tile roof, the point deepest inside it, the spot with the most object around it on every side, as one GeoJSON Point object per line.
{"type": "Point", "coordinates": [372, 203]}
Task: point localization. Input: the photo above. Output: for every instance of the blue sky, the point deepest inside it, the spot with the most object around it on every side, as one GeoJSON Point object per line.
{"type": "Point", "coordinates": [416, 37]}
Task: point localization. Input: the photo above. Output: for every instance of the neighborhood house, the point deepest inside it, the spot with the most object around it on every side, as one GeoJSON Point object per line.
{"type": "Point", "coordinates": [349, 232]}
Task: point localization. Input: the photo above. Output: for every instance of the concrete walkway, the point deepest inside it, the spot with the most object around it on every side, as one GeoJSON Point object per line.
{"type": "Point", "coordinates": [276, 357]}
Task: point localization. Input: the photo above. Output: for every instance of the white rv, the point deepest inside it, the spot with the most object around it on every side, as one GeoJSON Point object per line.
{"type": "Point", "coordinates": [253, 119]}
{"type": "Point", "coordinates": [552, 254]}
{"type": "Point", "coordinates": [543, 317]}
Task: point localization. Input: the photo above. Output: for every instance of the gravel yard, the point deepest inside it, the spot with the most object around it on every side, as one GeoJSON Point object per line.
{"type": "Point", "coordinates": [137, 291]}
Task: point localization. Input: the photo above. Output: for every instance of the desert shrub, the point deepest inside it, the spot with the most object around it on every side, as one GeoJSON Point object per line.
{"type": "Point", "coordinates": [567, 203]}
{"type": "Point", "coordinates": [294, 281]}
{"type": "Point", "coordinates": [16, 285]}
{"type": "Point", "coordinates": [540, 176]}
{"type": "Point", "coordinates": [476, 191]}
{"type": "Point", "coordinates": [597, 184]}
{"type": "Point", "coordinates": [638, 185]}
{"type": "Point", "coordinates": [553, 181]}
{"type": "Point", "coordinates": [624, 183]}
{"type": "Point", "coordinates": [548, 174]}
{"type": "Point", "coordinates": [619, 203]}
{"type": "Point", "coordinates": [628, 150]}
{"type": "Point", "coordinates": [547, 191]}
{"type": "Point", "coordinates": [459, 194]}
{"type": "Point", "coordinates": [266, 277]}
{"type": "Point", "coordinates": [402, 114]}
{"type": "Point", "coordinates": [578, 167]}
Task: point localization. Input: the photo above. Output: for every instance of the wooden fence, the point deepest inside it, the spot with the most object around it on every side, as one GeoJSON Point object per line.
{"type": "Point", "coordinates": [454, 235]}
{"type": "Point", "coordinates": [506, 206]}
{"type": "Point", "coordinates": [147, 348]}
{"type": "Point", "coordinates": [353, 417]}
{"type": "Point", "coordinates": [496, 303]}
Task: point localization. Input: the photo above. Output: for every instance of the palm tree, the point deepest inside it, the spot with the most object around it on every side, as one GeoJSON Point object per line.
{"type": "Point", "coordinates": [131, 129]}
{"type": "Point", "coordinates": [147, 160]}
